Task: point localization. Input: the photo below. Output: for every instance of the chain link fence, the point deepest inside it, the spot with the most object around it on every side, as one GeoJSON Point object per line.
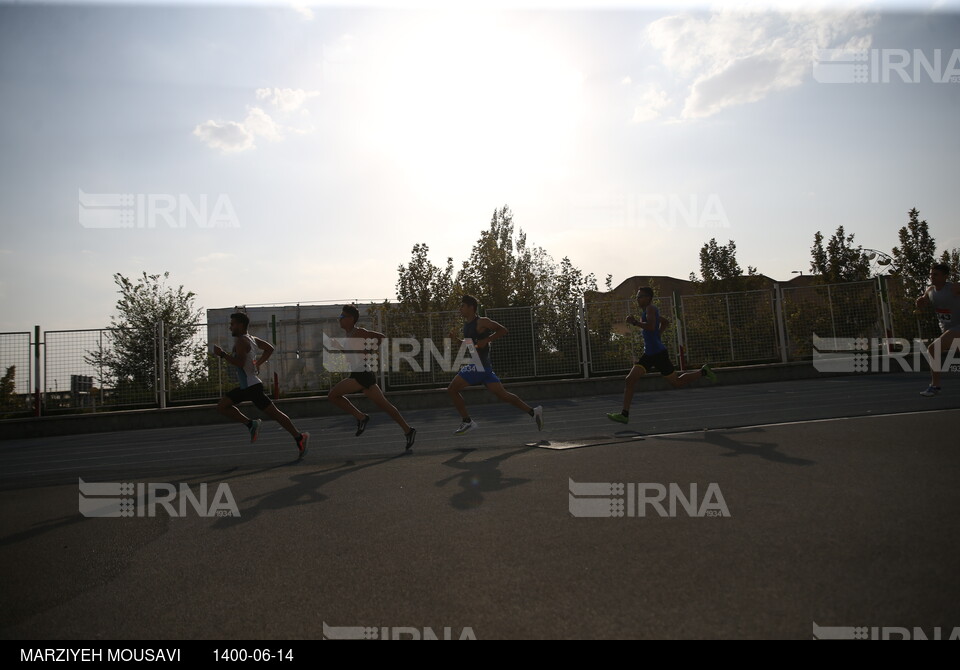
{"type": "Point", "coordinates": [831, 310]}
{"type": "Point", "coordinates": [78, 375]}
{"type": "Point", "coordinates": [724, 328]}
{"type": "Point", "coordinates": [106, 369]}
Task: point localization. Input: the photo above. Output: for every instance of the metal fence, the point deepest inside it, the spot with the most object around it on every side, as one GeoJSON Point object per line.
{"type": "Point", "coordinates": [730, 328]}
{"type": "Point", "coordinates": [105, 369]}
{"type": "Point", "coordinates": [831, 310]}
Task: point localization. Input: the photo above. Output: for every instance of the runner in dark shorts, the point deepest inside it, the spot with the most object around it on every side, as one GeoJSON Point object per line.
{"type": "Point", "coordinates": [251, 388]}
{"type": "Point", "coordinates": [355, 344]}
{"type": "Point", "coordinates": [655, 354]}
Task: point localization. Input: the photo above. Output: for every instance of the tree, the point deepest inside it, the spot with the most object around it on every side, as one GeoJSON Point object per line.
{"type": "Point", "coordinates": [913, 258]}
{"type": "Point", "coordinates": [951, 259]}
{"type": "Point", "coordinates": [129, 360]}
{"type": "Point", "coordinates": [8, 386]}
{"type": "Point", "coordinates": [720, 270]}
{"type": "Point", "coordinates": [840, 261]}
{"type": "Point", "coordinates": [502, 271]}
{"type": "Point", "coordinates": [425, 287]}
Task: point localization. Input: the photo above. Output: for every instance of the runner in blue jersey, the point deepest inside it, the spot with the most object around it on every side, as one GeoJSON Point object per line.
{"type": "Point", "coordinates": [655, 354]}
{"type": "Point", "coordinates": [944, 296]}
{"type": "Point", "coordinates": [479, 332]}
{"type": "Point", "coordinates": [251, 388]}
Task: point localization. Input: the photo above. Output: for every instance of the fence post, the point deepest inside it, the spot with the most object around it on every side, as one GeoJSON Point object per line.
{"type": "Point", "coordinates": [885, 311]}
{"type": "Point", "coordinates": [833, 323]}
{"type": "Point", "coordinates": [681, 344]}
{"type": "Point", "coordinates": [726, 300]}
{"type": "Point", "coordinates": [36, 370]}
{"type": "Point", "coordinates": [533, 342]}
{"type": "Point", "coordinates": [584, 345]}
{"type": "Point", "coordinates": [381, 354]}
{"type": "Point", "coordinates": [781, 326]}
{"type": "Point", "coordinates": [162, 367]}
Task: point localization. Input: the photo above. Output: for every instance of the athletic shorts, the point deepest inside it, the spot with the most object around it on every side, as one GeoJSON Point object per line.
{"type": "Point", "coordinates": [660, 361]}
{"type": "Point", "coordinates": [365, 379]}
{"type": "Point", "coordinates": [252, 393]}
{"type": "Point", "coordinates": [474, 376]}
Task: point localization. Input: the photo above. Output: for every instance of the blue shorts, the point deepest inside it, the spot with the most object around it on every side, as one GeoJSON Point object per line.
{"type": "Point", "coordinates": [474, 376]}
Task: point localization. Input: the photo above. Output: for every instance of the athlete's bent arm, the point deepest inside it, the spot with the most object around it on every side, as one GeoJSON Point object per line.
{"type": "Point", "coordinates": [499, 331]}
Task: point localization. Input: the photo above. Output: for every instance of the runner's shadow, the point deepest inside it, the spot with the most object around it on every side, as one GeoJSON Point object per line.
{"type": "Point", "coordinates": [305, 489]}
{"type": "Point", "coordinates": [479, 477]}
{"type": "Point", "coordinates": [766, 450]}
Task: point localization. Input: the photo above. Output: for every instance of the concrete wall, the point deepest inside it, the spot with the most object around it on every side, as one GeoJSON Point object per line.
{"type": "Point", "coordinates": [532, 392]}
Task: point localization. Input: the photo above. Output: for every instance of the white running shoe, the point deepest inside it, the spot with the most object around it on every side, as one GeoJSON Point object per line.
{"type": "Point", "coordinates": [931, 391]}
{"type": "Point", "coordinates": [466, 427]}
{"type": "Point", "coordinates": [538, 416]}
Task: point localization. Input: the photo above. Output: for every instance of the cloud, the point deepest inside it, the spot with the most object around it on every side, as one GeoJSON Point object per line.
{"type": "Point", "coordinates": [238, 136]}
{"type": "Point", "coordinates": [286, 99]}
{"type": "Point", "coordinates": [652, 102]}
{"type": "Point", "coordinates": [732, 58]}
{"type": "Point", "coordinates": [303, 9]}
{"type": "Point", "coordinates": [259, 123]}
{"type": "Point", "coordinates": [228, 136]}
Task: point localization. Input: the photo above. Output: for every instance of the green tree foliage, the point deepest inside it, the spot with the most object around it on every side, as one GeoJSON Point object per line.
{"type": "Point", "coordinates": [128, 361]}
{"type": "Point", "coordinates": [425, 287]}
{"type": "Point", "coordinates": [720, 271]}
{"type": "Point", "coordinates": [8, 385]}
{"type": "Point", "coordinates": [911, 265]}
{"type": "Point", "coordinates": [951, 258]}
{"type": "Point", "coordinates": [502, 269]}
{"type": "Point", "coordinates": [913, 258]}
{"type": "Point", "coordinates": [839, 261]}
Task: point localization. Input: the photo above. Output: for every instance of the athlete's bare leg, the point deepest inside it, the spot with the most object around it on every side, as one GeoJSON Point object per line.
{"type": "Point", "coordinates": [457, 385]}
{"type": "Point", "coordinates": [497, 389]}
{"type": "Point", "coordinates": [231, 411]}
{"type": "Point", "coordinates": [376, 395]}
{"type": "Point", "coordinates": [341, 388]}
{"type": "Point", "coordinates": [636, 372]}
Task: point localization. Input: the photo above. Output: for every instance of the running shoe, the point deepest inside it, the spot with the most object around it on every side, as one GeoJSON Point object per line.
{"type": "Point", "coordinates": [255, 430]}
{"type": "Point", "coordinates": [619, 418]}
{"type": "Point", "coordinates": [708, 373]}
{"type": "Point", "coordinates": [411, 436]}
{"type": "Point", "coordinates": [466, 427]}
{"type": "Point", "coordinates": [302, 443]}
{"type": "Point", "coordinates": [362, 424]}
{"type": "Point", "coordinates": [538, 416]}
{"type": "Point", "coordinates": [931, 391]}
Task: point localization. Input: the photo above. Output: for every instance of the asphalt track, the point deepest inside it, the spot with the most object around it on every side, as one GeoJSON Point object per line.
{"type": "Point", "coordinates": [842, 497]}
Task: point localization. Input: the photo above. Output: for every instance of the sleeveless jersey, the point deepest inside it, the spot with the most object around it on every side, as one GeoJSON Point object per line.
{"type": "Point", "coordinates": [247, 373]}
{"type": "Point", "coordinates": [947, 306]}
{"type": "Point", "coordinates": [471, 332]}
{"type": "Point", "coordinates": [652, 344]}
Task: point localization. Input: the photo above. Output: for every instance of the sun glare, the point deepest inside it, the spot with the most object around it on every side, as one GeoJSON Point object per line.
{"type": "Point", "coordinates": [468, 99]}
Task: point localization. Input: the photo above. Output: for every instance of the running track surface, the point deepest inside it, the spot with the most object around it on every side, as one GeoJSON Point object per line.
{"type": "Point", "coordinates": [842, 497]}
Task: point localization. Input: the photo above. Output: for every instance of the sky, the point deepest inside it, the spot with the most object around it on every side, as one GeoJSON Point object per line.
{"type": "Point", "coordinates": [268, 153]}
